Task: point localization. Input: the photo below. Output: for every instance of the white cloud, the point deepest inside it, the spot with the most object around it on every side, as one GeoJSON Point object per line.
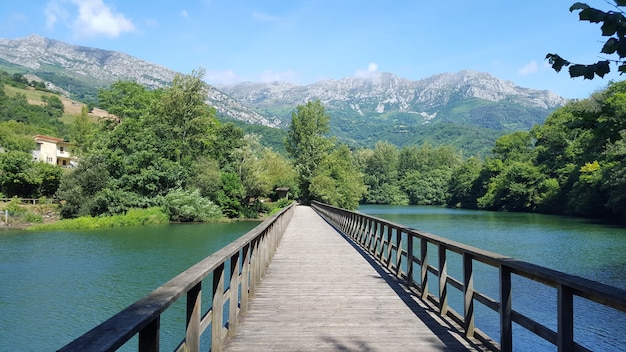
{"type": "Point", "coordinates": [370, 73]}
{"type": "Point", "coordinates": [272, 76]}
{"type": "Point", "coordinates": [529, 68]}
{"type": "Point", "coordinates": [93, 18]}
{"type": "Point", "coordinates": [184, 14]}
{"type": "Point", "coordinates": [222, 77]}
{"type": "Point", "coordinates": [54, 12]}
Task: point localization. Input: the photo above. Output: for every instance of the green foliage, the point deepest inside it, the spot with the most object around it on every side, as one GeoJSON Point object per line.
{"type": "Point", "coordinates": [613, 26]}
{"type": "Point", "coordinates": [230, 195]}
{"type": "Point", "coordinates": [337, 181]}
{"type": "Point", "coordinates": [134, 217]}
{"type": "Point", "coordinates": [189, 206]}
{"type": "Point", "coordinates": [306, 141]}
{"type": "Point", "coordinates": [572, 164]}
{"type": "Point", "coordinates": [44, 118]}
{"type": "Point", "coordinates": [283, 202]}
{"type": "Point", "coordinates": [21, 176]}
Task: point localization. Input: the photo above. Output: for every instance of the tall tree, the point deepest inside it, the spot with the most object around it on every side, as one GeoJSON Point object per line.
{"type": "Point", "coordinates": [183, 119]}
{"type": "Point", "coordinates": [307, 142]}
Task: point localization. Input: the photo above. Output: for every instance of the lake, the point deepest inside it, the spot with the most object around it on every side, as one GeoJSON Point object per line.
{"type": "Point", "coordinates": [57, 285]}
{"type": "Point", "coordinates": [576, 246]}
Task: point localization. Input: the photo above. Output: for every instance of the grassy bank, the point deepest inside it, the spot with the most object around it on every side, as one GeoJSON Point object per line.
{"type": "Point", "coordinates": [133, 217]}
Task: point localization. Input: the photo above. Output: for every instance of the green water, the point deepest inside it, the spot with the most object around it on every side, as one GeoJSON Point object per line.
{"type": "Point", "coordinates": [575, 246]}
{"type": "Point", "coordinates": [57, 285]}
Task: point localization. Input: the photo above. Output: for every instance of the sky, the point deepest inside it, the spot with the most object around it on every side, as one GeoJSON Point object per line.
{"type": "Point", "coordinates": [304, 41]}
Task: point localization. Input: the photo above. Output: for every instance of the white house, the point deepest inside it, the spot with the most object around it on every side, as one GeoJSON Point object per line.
{"type": "Point", "coordinates": [54, 151]}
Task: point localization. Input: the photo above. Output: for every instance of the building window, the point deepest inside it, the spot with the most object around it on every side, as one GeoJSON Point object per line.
{"type": "Point", "coordinates": [61, 149]}
{"type": "Point", "coordinates": [48, 159]}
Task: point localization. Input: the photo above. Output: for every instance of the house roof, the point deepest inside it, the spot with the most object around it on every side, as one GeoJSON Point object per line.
{"type": "Point", "coordinates": [50, 139]}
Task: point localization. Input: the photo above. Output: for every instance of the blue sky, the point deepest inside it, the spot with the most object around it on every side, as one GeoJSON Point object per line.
{"type": "Point", "coordinates": [303, 41]}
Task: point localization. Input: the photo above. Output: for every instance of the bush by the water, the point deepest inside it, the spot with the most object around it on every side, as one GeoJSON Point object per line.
{"type": "Point", "coordinates": [149, 216]}
{"type": "Point", "coordinates": [189, 206]}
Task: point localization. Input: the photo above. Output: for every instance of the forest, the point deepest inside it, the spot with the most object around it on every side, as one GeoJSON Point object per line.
{"type": "Point", "coordinates": [167, 149]}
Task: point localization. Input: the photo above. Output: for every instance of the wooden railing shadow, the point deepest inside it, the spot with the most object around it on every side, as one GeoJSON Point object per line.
{"type": "Point", "coordinates": [445, 330]}
{"type": "Point", "coordinates": [397, 248]}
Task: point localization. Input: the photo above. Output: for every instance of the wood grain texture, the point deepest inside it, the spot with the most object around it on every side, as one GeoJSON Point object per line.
{"type": "Point", "coordinates": [321, 293]}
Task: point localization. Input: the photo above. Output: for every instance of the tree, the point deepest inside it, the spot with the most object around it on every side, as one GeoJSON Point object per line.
{"type": "Point", "coordinates": [613, 26]}
{"type": "Point", "coordinates": [183, 121]}
{"type": "Point", "coordinates": [306, 141]}
{"type": "Point", "coordinates": [337, 181]}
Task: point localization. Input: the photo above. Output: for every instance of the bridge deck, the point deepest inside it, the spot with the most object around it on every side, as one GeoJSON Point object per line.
{"type": "Point", "coordinates": [321, 294]}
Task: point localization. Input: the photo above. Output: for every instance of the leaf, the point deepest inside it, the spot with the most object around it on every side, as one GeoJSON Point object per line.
{"type": "Point", "coordinates": [581, 70]}
{"type": "Point", "coordinates": [609, 27]}
{"type": "Point", "coordinates": [620, 2]}
{"type": "Point", "coordinates": [601, 68]}
{"type": "Point", "coordinates": [592, 15]}
{"type": "Point", "coordinates": [621, 48]}
{"type": "Point", "coordinates": [557, 62]}
{"type": "Point", "coordinates": [622, 68]}
{"type": "Point", "coordinates": [610, 46]}
{"type": "Point", "coordinates": [578, 6]}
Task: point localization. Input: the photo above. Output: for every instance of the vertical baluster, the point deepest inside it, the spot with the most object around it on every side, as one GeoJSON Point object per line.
{"type": "Point", "coordinates": [218, 309]}
{"type": "Point", "coordinates": [389, 245]}
{"type": "Point", "coordinates": [565, 318]}
{"type": "Point", "coordinates": [234, 295]}
{"type": "Point", "coordinates": [149, 336]}
{"type": "Point", "coordinates": [506, 326]}
{"type": "Point", "coordinates": [468, 294]}
{"type": "Point", "coordinates": [245, 278]}
{"type": "Point", "coordinates": [424, 271]}
{"type": "Point", "coordinates": [192, 334]}
{"type": "Point", "coordinates": [409, 259]}
{"type": "Point", "coordinates": [398, 251]}
{"type": "Point", "coordinates": [443, 280]}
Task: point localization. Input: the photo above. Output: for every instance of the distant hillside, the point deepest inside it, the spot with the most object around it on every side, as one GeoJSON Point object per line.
{"type": "Point", "coordinates": [79, 71]}
{"type": "Point", "coordinates": [466, 109]}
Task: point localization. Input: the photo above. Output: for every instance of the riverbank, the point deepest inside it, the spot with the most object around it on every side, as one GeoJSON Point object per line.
{"type": "Point", "coordinates": [17, 215]}
{"type": "Point", "coordinates": [46, 216]}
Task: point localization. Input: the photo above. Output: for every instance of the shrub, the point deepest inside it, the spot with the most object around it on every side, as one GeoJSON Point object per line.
{"type": "Point", "coordinates": [189, 206]}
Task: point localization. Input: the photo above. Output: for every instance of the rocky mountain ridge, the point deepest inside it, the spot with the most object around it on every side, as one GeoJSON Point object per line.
{"type": "Point", "coordinates": [37, 54]}
{"type": "Point", "coordinates": [375, 101]}
{"type": "Point", "coordinates": [384, 92]}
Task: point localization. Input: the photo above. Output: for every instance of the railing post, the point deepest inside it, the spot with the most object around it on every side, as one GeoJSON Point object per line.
{"type": "Point", "coordinates": [468, 295]}
{"type": "Point", "coordinates": [398, 251]}
{"type": "Point", "coordinates": [389, 245]}
{"type": "Point", "coordinates": [218, 309]}
{"type": "Point", "coordinates": [443, 280]}
{"type": "Point", "coordinates": [233, 306]}
{"type": "Point", "coordinates": [192, 334]}
{"type": "Point", "coordinates": [565, 318]}
{"type": "Point", "coordinates": [424, 271]}
{"type": "Point", "coordinates": [409, 259]}
{"type": "Point", "coordinates": [506, 326]}
{"type": "Point", "coordinates": [149, 336]}
{"type": "Point", "coordinates": [245, 278]}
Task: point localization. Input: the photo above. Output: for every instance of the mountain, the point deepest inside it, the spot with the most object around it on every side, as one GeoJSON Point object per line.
{"type": "Point", "coordinates": [454, 108]}
{"type": "Point", "coordinates": [79, 71]}
{"type": "Point", "coordinates": [467, 109]}
{"type": "Point", "coordinates": [466, 96]}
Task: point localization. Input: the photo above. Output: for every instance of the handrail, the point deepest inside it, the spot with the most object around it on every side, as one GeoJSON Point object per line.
{"type": "Point", "coordinates": [393, 252]}
{"type": "Point", "coordinates": [246, 259]}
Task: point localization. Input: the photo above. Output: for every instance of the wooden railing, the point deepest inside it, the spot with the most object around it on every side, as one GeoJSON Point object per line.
{"type": "Point", "coordinates": [394, 247]}
{"type": "Point", "coordinates": [237, 270]}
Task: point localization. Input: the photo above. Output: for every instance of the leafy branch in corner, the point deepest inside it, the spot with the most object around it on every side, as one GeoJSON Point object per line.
{"type": "Point", "coordinates": [613, 26]}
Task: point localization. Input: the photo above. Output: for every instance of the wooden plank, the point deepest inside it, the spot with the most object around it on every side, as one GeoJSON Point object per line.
{"type": "Point", "coordinates": [320, 293]}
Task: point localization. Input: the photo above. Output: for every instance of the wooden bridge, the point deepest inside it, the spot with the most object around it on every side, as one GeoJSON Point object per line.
{"type": "Point", "coordinates": [323, 278]}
